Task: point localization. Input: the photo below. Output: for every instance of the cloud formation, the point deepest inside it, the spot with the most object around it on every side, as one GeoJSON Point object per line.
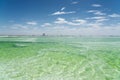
{"type": "Point", "coordinates": [98, 18]}
{"type": "Point", "coordinates": [114, 15]}
{"type": "Point", "coordinates": [96, 12]}
{"type": "Point", "coordinates": [31, 23]}
{"type": "Point", "coordinates": [63, 8]}
{"type": "Point", "coordinates": [46, 25]}
{"type": "Point", "coordinates": [75, 2]}
{"type": "Point", "coordinates": [96, 5]}
{"type": "Point", "coordinates": [62, 12]}
{"type": "Point", "coordinates": [76, 22]}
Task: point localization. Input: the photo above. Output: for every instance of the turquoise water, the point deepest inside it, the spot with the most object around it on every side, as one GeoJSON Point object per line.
{"type": "Point", "coordinates": [59, 58]}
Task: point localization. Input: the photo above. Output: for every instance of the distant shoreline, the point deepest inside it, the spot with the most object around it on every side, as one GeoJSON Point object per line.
{"type": "Point", "coordinates": [60, 36]}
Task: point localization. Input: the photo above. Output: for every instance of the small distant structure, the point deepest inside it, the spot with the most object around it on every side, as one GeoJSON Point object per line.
{"type": "Point", "coordinates": [43, 34]}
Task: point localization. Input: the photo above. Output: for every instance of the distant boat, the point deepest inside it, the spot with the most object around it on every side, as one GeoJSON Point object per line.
{"type": "Point", "coordinates": [43, 34]}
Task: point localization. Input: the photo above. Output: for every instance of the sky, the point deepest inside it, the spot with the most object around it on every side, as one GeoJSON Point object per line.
{"type": "Point", "coordinates": [60, 17]}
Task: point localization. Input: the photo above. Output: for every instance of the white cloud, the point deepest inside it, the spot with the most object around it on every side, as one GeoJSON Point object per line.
{"type": "Point", "coordinates": [63, 8]}
{"type": "Point", "coordinates": [95, 25]}
{"type": "Point", "coordinates": [31, 23]}
{"type": "Point", "coordinates": [96, 12]}
{"type": "Point", "coordinates": [66, 30]}
{"type": "Point", "coordinates": [99, 13]}
{"type": "Point", "coordinates": [22, 27]}
{"type": "Point", "coordinates": [114, 15]}
{"type": "Point", "coordinates": [75, 2]}
{"type": "Point", "coordinates": [80, 21]}
{"type": "Point", "coordinates": [96, 5]}
{"type": "Point", "coordinates": [102, 20]}
{"type": "Point", "coordinates": [92, 11]}
{"type": "Point", "coordinates": [98, 18]}
{"type": "Point", "coordinates": [90, 29]}
{"type": "Point", "coordinates": [62, 12]}
{"type": "Point", "coordinates": [87, 28]}
{"type": "Point", "coordinates": [46, 25]}
{"type": "Point", "coordinates": [19, 26]}
{"type": "Point", "coordinates": [61, 21]}
{"type": "Point", "coordinates": [76, 22]}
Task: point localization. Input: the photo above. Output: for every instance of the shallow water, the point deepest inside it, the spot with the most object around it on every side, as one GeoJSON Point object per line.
{"type": "Point", "coordinates": [52, 58]}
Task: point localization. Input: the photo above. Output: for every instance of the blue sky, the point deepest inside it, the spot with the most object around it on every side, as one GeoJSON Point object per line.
{"type": "Point", "coordinates": [62, 17]}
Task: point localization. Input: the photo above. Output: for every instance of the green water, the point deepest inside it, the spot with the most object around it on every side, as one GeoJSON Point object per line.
{"type": "Point", "coordinates": [59, 58]}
